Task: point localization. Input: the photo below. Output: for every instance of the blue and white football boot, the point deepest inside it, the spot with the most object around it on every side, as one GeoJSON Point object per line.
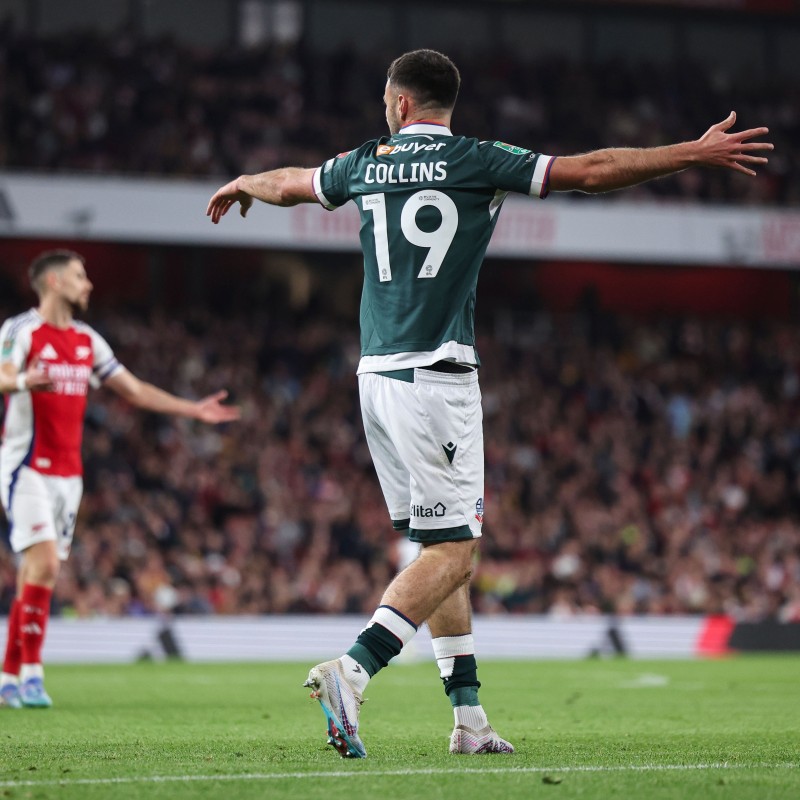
{"type": "Point", "coordinates": [341, 704]}
{"type": "Point", "coordinates": [33, 694]}
{"type": "Point", "coordinates": [9, 696]}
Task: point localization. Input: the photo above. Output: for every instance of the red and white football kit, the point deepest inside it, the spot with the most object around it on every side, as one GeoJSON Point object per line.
{"type": "Point", "coordinates": [40, 456]}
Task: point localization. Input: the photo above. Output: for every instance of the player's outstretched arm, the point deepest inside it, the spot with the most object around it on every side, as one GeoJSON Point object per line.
{"type": "Point", "coordinates": [618, 168]}
{"type": "Point", "coordinates": [144, 395]}
{"type": "Point", "coordinates": [279, 187]}
{"type": "Point", "coordinates": [33, 379]}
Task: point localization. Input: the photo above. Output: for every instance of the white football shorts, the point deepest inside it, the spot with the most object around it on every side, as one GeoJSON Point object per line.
{"type": "Point", "coordinates": [41, 508]}
{"type": "Point", "coordinates": [426, 441]}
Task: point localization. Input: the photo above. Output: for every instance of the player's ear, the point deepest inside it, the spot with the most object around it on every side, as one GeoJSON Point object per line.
{"type": "Point", "coordinates": [403, 104]}
{"type": "Point", "coordinates": [51, 279]}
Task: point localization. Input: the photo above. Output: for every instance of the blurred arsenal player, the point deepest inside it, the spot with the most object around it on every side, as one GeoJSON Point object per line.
{"type": "Point", "coordinates": [48, 362]}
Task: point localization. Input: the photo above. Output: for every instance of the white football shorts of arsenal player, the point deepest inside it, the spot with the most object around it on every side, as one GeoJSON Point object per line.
{"type": "Point", "coordinates": [40, 456]}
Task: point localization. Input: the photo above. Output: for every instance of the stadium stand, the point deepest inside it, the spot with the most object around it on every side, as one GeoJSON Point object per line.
{"type": "Point", "coordinates": [86, 103]}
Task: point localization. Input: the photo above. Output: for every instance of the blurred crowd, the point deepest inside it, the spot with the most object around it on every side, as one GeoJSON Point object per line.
{"type": "Point", "coordinates": [115, 104]}
{"type": "Point", "coordinates": [632, 467]}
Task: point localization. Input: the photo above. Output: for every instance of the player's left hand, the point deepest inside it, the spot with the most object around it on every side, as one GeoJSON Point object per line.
{"type": "Point", "coordinates": [224, 198]}
{"type": "Point", "coordinates": [718, 148]}
{"type": "Point", "coordinates": [210, 409]}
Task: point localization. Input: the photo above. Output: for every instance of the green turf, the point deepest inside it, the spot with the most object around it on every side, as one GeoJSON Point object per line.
{"type": "Point", "coordinates": [727, 729]}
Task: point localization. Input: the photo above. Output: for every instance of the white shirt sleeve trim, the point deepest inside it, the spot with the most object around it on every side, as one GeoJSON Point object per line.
{"type": "Point", "coordinates": [318, 190]}
{"type": "Point", "coordinates": [108, 369]}
{"type": "Point", "coordinates": [541, 175]}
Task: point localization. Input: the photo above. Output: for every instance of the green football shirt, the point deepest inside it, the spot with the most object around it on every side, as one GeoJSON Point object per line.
{"type": "Point", "coordinates": [429, 202]}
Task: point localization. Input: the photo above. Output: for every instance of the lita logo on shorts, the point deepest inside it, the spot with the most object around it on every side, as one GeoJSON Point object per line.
{"type": "Point", "coordinates": [423, 511]}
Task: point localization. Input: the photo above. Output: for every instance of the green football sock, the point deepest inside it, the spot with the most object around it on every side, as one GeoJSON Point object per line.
{"type": "Point", "coordinates": [384, 637]}
{"type": "Point", "coordinates": [462, 684]}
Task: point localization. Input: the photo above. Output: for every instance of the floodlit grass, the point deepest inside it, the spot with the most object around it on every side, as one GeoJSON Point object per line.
{"type": "Point", "coordinates": [726, 729]}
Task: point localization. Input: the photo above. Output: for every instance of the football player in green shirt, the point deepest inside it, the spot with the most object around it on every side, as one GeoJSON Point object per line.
{"type": "Point", "coordinates": [429, 200]}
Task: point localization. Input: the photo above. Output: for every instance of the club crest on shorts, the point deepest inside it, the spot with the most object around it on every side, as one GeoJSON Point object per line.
{"type": "Point", "coordinates": [479, 510]}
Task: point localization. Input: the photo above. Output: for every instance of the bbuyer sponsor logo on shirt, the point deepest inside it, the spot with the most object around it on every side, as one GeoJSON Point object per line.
{"type": "Point", "coordinates": [407, 147]}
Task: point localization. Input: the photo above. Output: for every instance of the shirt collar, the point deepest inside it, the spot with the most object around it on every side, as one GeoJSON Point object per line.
{"type": "Point", "coordinates": [433, 128]}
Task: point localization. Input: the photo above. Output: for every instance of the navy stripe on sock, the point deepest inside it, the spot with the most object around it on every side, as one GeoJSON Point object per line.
{"type": "Point", "coordinates": [402, 616]}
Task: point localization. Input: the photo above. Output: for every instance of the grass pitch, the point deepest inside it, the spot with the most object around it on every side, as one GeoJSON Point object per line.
{"type": "Point", "coordinates": [727, 729]}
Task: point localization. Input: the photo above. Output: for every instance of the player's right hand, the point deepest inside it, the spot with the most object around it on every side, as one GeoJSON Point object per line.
{"type": "Point", "coordinates": [37, 379]}
{"type": "Point", "coordinates": [224, 198]}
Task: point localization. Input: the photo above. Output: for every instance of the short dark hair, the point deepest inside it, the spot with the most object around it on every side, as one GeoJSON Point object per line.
{"type": "Point", "coordinates": [430, 76]}
{"type": "Point", "coordinates": [50, 259]}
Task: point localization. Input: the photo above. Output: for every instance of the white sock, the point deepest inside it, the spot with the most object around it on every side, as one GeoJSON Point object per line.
{"type": "Point", "coordinates": [446, 648]}
{"type": "Point", "coordinates": [31, 671]}
{"type": "Point", "coordinates": [7, 678]}
{"type": "Point", "coordinates": [472, 717]}
{"type": "Point", "coordinates": [357, 676]}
